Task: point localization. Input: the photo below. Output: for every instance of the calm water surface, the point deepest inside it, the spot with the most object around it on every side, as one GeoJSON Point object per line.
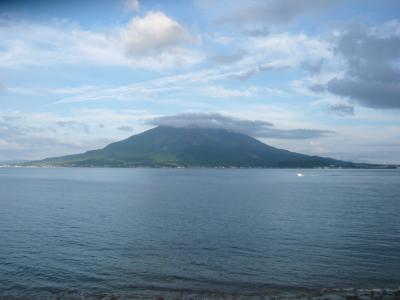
{"type": "Point", "coordinates": [140, 232]}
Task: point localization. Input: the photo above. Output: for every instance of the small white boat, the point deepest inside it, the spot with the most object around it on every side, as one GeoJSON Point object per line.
{"type": "Point", "coordinates": [300, 174]}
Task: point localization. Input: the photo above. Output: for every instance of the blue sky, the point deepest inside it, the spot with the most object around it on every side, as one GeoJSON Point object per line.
{"type": "Point", "coordinates": [314, 77]}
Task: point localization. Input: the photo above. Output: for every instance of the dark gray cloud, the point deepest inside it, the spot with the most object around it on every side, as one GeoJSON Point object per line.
{"type": "Point", "coordinates": [125, 128]}
{"type": "Point", "coordinates": [373, 94]}
{"type": "Point", "coordinates": [259, 129]}
{"type": "Point", "coordinates": [342, 109]}
{"type": "Point", "coordinates": [312, 67]}
{"type": "Point", "coordinates": [276, 12]}
{"type": "Point", "coordinates": [372, 77]}
{"type": "Point", "coordinates": [293, 134]}
{"type": "Point", "coordinates": [318, 88]}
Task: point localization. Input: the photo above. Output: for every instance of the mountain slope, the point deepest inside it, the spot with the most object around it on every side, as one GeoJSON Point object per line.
{"type": "Point", "coordinates": [192, 147]}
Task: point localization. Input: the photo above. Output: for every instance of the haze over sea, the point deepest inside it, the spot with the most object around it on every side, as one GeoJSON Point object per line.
{"type": "Point", "coordinates": [146, 232]}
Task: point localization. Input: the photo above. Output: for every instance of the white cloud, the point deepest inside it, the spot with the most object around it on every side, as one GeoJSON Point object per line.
{"type": "Point", "coordinates": [217, 91]}
{"type": "Point", "coordinates": [249, 56]}
{"type": "Point", "coordinates": [154, 41]}
{"type": "Point", "coordinates": [196, 82]}
{"type": "Point", "coordinates": [7, 145]}
{"type": "Point", "coordinates": [294, 49]}
{"type": "Point", "coordinates": [222, 92]}
{"type": "Point", "coordinates": [153, 33]}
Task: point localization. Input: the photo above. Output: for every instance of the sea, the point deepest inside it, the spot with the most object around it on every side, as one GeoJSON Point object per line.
{"type": "Point", "coordinates": [99, 233]}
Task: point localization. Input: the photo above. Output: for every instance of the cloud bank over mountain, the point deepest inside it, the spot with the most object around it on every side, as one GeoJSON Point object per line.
{"type": "Point", "coordinates": [260, 129]}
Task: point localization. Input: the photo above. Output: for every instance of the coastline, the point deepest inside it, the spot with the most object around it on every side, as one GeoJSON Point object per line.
{"type": "Point", "coordinates": [33, 166]}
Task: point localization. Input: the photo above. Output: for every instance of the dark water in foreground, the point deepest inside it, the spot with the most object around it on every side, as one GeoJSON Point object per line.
{"type": "Point", "coordinates": [139, 232]}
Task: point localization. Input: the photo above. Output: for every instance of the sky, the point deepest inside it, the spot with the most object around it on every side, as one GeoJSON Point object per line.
{"type": "Point", "coordinates": [316, 77]}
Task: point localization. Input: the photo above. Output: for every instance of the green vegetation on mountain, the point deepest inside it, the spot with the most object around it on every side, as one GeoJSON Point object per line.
{"type": "Point", "coordinates": [193, 147]}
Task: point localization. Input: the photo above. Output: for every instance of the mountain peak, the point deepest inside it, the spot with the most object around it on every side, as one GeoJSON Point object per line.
{"type": "Point", "coordinates": [166, 146]}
